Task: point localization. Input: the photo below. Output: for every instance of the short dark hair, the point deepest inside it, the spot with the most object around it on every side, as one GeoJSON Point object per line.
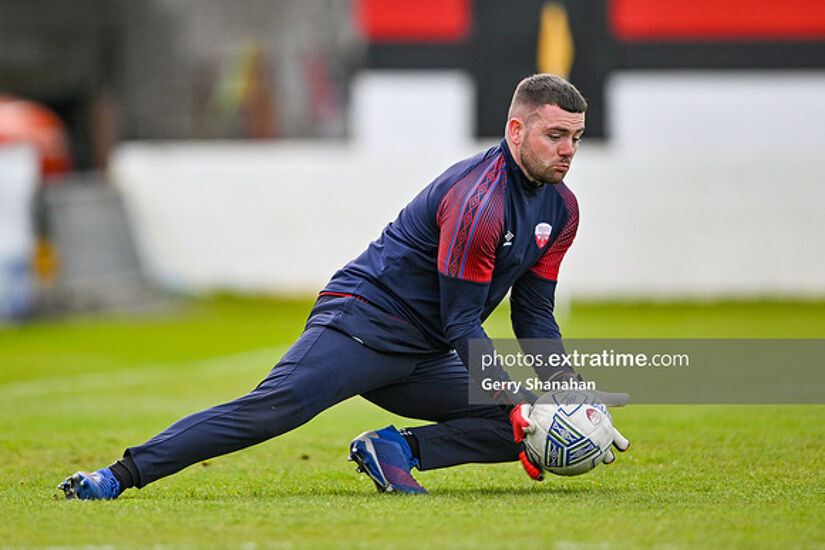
{"type": "Point", "coordinates": [548, 89]}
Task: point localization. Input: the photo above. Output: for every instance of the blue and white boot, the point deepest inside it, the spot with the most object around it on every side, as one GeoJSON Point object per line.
{"type": "Point", "coordinates": [99, 485]}
{"type": "Point", "coordinates": [385, 456]}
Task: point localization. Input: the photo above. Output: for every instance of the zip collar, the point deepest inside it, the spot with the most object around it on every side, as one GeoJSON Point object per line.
{"type": "Point", "coordinates": [515, 172]}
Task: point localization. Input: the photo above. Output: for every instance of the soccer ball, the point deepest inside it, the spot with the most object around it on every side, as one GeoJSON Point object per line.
{"type": "Point", "coordinates": [572, 432]}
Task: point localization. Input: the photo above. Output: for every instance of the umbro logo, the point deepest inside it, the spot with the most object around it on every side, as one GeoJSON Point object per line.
{"type": "Point", "coordinates": [508, 239]}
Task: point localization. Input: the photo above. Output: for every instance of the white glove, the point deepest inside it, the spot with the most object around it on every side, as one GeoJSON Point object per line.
{"type": "Point", "coordinates": [621, 444]}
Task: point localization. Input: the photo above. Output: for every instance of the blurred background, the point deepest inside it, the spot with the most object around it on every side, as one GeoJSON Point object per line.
{"type": "Point", "coordinates": [150, 147]}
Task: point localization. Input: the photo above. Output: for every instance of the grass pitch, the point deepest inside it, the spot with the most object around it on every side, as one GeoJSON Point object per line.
{"type": "Point", "coordinates": [74, 394]}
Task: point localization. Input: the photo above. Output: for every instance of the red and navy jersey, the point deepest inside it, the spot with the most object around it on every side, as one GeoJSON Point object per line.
{"type": "Point", "coordinates": [452, 254]}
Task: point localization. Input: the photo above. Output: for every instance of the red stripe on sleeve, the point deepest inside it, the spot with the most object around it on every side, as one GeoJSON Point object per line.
{"type": "Point", "coordinates": [471, 219]}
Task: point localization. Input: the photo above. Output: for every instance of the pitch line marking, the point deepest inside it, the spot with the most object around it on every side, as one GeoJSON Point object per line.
{"type": "Point", "coordinates": [213, 366]}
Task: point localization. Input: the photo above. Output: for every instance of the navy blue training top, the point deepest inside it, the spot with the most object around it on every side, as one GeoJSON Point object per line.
{"type": "Point", "coordinates": [442, 266]}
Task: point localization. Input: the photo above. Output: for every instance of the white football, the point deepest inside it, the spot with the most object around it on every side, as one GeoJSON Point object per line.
{"type": "Point", "coordinates": [572, 432]}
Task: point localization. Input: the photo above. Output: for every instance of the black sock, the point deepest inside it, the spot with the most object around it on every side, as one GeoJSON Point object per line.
{"type": "Point", "coordinates": [126, 473]}
{"type": "Point", "coordinates": [412, 441]}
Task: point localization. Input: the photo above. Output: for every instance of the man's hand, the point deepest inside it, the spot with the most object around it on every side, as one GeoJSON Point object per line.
{"type": "Point", "coordinates": [608, 399]}
{"type": "Point", "coordinates": [520, 419]}
{"type": "Point", "coordinates": [621, 444]}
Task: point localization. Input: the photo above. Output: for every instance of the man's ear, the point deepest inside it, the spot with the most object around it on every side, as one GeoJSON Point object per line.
{"type": "Point", "coordinates": [515, 130]}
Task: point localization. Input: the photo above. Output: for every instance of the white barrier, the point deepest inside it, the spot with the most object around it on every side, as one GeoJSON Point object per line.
{"type": "Point", "coordinates": [282, 217]}
{"type": "Point", "coordinates": [394, 110]}
{"type": "Point", "coordinates": [708, 110]}
{"type": "Point", "coordinates": [698, 223]}
{"type": "Point", "coordinates": [19, 174]}
{"type": "Point", "coordinates": [276, 218]}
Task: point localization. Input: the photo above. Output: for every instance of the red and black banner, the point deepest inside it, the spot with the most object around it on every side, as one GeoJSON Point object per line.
{"type": "Point", "coordinates": [500, 42]}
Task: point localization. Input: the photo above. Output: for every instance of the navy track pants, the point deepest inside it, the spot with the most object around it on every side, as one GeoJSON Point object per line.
{"type": "Point", "coordinates": [322, 368]}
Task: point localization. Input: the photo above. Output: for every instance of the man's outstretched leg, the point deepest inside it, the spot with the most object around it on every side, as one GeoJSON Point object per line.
{"type": "Point", "coordinates": [322, 368]}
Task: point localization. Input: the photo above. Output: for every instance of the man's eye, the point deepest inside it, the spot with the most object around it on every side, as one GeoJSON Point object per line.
{"type": "Point", "coordinates": [554, 136]}
{"type": "Point", "coordinates": [577, 140]}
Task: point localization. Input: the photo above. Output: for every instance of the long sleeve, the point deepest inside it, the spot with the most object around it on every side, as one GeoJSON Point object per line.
{"type": "Point", "coordinates": [461, 306]}
{"type": "Point", "coordinates": [470, 222]}
{"type": "Point", "coordinates": [531, 311]}
{"type": "Point", "coordinates": [532, 302]}
{"type": "Point", "coordinates": [532, 299]}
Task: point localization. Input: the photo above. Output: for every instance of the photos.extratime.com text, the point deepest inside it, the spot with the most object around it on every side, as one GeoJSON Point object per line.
{"type": "Point", "coordinates": [576, 359]}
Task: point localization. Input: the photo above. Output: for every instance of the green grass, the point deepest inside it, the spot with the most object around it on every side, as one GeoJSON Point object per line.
{"type": "Point", "coordinates": [74, 393]}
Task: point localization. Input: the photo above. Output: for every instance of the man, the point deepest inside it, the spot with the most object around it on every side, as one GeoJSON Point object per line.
{"type": "Point", "coordinates": [394, 324]}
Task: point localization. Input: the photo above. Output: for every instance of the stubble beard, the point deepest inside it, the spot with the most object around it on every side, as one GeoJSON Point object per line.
{"type": "Point", "coordinates": [538, 171]}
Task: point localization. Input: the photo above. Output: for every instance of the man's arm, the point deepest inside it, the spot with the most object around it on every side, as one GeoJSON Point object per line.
{"type": "Point", "coordinates": [533, 296]}
{"type": "Point", "coordinates": [470, 222]}
{"type": "Point", "coordinates": [461, 306]}
{"type": "Point", "coordinates": [532, 299]}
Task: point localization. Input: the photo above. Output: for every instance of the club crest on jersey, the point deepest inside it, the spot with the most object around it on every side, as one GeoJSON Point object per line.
{"type": "Point", "coordinates": [543, 231]}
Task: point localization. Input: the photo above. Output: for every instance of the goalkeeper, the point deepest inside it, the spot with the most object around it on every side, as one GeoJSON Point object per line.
{"type": "Point", "coordinates": [394, 324]}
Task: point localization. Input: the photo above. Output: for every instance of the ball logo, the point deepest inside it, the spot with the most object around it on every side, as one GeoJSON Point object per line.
{"type": "Point", "coordinates": [543, 231]}
{"type": "Point", "coordinates": [594, 416]}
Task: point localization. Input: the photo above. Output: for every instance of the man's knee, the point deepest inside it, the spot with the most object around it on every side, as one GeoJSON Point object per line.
{"type": "Point", "coordinates": [267, 412]}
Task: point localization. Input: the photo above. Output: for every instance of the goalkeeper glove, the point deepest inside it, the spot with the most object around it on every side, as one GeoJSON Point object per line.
{"type": "Point", "coordinates": [619, 442]}
{"type": "Point", "coordinates": [520, 419]}
{"type": "Point", "coordinates": [608, 399]}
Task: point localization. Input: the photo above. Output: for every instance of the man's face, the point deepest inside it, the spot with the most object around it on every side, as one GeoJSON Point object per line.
{"type": "Point", "coordinates": [549, 139]}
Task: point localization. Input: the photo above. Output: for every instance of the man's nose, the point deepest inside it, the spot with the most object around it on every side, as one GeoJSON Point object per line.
{"type": "Point", "coordinates": [566, 149]}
